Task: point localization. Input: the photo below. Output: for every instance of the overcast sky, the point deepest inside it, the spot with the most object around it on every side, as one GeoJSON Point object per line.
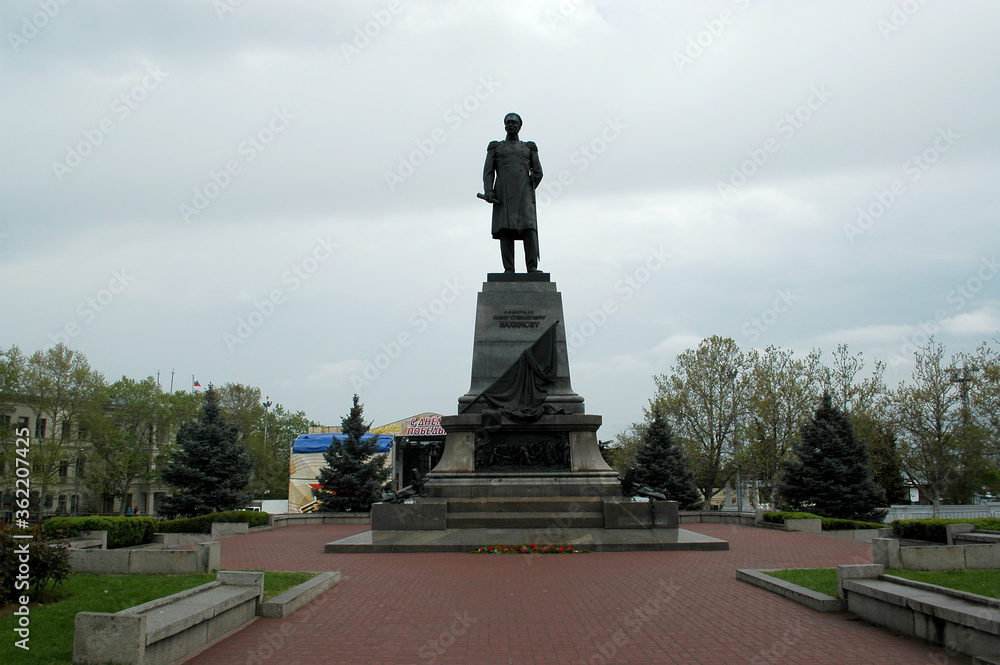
{"type": "Point", "coordinates": [272, 193]}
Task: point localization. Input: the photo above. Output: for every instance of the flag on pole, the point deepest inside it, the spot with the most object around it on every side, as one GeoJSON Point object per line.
{"type": "Point", "coordinates": [195, 383]}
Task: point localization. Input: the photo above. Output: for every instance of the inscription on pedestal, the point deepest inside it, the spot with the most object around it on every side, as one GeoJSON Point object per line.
{"type": "Point", "coordinates": [519, 318]}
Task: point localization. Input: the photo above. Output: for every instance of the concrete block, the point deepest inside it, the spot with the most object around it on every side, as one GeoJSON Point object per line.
{"type": "Point", "coordinates": [944, 557]}
{"type": "Point", "coordinates": [100, 562]}
{"type": "Point", "coordinates": [862, 571]}
{"type": "Point", "coordinates": [243, 578]}
{"type": "Point", "coordinates": [225, 529]}
{"type": "Point", "coordinates": [287, 602]}
{"type": "Point", "coordinates": [109, 638]}
{"type": "Point", "coordinates": [885, 551]}
{"type": "Point", "coordinates": [952, 529]}
{"type": "Point", "coordinates": [209, 556]}
{"type": "Point", "coordinates": [812, 599]}
{"type": "Point", "coordinates": [813, 526]}
{"type": "Point", "coordinates": [981, 557]}
{"type": "Point", "coordinates": [873, 610]}
{"type": "Point", "coordinates": [162, 562]}
{"type": "Point", "coordinates": [97, 535]}
{"type": "Point", "coordinates": [424, 514]}
{"type": "Point", "coordinates": [973, 642]}
{"type": "Point", "coordinates": [621, 513]}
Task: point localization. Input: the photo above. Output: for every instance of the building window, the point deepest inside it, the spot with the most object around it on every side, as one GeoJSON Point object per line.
{"type": "Point", "coordinates": [40, 428]}
{"type": "Point", "coordinates": [22, 423]}
{"type": "Point", "coordinates": [62, 504]}
{"type": "Point", "coordinates": [80, 467]}
{"type": "Point", "coordinates": [5, 421]}
{"type": "Point", "coordinates": [48, 501]}
{"type": "Point", "coordinates": [66, 429]}
{"type": "Point", "coordinates": [63, 469]}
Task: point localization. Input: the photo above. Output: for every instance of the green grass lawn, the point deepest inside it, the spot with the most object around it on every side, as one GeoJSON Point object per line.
{"type": "Point", "coordinates": [52, 622]}
{"type": "Point", "coordinates": [983, 582]}
{"type": "Point", "coordinates": [823, 580]}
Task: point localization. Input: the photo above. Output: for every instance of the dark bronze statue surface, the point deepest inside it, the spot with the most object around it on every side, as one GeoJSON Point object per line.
{"type": "Point", "coordinates": [511, 174]}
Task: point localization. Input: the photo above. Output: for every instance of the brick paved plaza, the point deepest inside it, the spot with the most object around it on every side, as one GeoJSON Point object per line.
{"type": "Point", "coordinates": [636, 607]}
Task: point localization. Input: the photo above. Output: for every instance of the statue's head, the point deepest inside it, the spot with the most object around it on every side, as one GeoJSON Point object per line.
{"type": "Point", "coordinates": [512, 122]}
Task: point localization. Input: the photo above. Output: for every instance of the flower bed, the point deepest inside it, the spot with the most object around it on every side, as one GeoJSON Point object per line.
{"type": "Point", "coordinates": [529, 549]}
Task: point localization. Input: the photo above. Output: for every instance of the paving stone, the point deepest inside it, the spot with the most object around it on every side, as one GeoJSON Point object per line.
{"type": "Point", "coordinates": [630, 607]}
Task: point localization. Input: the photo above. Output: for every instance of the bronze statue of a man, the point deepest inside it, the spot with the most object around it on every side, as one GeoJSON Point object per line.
{"type": "Point", "coordinates": [511, 174]}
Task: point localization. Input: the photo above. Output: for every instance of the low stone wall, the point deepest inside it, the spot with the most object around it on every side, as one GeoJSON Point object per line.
{"type": "Point", "coordinates": [165, 630]}
{"type": "Point", "coordinates": [962, 622]}
{"type": "Point", "coordinates": [863, 535]}
{"type": "Point", "coordinates": [887, 552]}
{"type": "Point", "coordinates": [300, 519]}
{"type": "Point", "coordinates": [716, 517]}
{"type": "Point", "coordinates": [811, 599]}
{"type": "Point", "coordinates": [144, 561]}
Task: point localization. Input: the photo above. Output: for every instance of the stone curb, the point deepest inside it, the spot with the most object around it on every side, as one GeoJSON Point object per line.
{"type": "Point", "coordinates": [811, 599]}
{"type": "Point", "coordinates": [946, 591]}
{"type": "Point", "coordinates": [287, 602]}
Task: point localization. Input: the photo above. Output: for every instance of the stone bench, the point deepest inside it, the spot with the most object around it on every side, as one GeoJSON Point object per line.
{"type": "Point", "coordinates": [205, 558]}
{"type": "Point", "coordinates": [959, 621]}
{"type": "Point", "coordinates": [164, 630]}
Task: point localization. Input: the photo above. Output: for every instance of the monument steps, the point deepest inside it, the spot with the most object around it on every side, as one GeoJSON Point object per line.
{"type": "Point", "coordinates": [527, 520]}
{"type": "Point", "coordinates": [541, 504]}
{"type": "Point", "coordinates": [525, 512]}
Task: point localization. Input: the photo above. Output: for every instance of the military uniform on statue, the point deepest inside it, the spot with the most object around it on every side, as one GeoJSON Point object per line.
{"type": "Point", "coordinates": [511, 174]}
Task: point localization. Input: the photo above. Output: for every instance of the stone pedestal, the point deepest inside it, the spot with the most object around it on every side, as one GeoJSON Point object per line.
{"type": "Point", "coordinates": [511, 475]}
{"type": "Point", "coordinates": [512, 312]}
{"type": "Point", "coordinates": [555, 456]}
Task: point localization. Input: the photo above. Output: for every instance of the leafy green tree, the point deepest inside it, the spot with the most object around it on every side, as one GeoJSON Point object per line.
{"type": "Point", "coordinates": [621, 454]}
{"type": "Point", "coordinates": [704, 395]}
{"type": "Point", "coordinates": [867, 402]}
{"type": "Point", "coordinates": [783, 391]}
{"type": "Point", "coordinates": [354, 475]}
{"type": "Point", "coordinates": [830, 474]}
{"type": "Point", "coordinates": [930, 417]}
{"type": "Point", "coordinates": [124, 432]}
{"type": "Point", "coordinates": [12, 368]}
{"type": "Point", "coordinates": [883, 451]}
{"type": "Point", "coordinates": [660, 463]}
{"type": "Point", "coordinates": [59, 386]}
{"type": "Point", "coordinates": [210, 468]}
{"type": "Point", "coordinates": [244, 406]}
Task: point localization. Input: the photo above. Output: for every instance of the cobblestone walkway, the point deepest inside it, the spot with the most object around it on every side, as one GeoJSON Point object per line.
{"type": "Point", "coordinates": [634, 608]}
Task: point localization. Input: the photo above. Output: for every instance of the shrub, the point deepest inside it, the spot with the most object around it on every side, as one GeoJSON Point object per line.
{"type": "Point", "coordinates": [779, 516]}
{"type": "Point", "coordinates": [834, 524]}
{"type": "Point", "coordinates": [122, 531]}
{"type": "Point", "coordinates": [203, 523]}
{"type": "Point", "coordinates": [48, 563]}
{"type": "Point", "coordinates": [933, 530]}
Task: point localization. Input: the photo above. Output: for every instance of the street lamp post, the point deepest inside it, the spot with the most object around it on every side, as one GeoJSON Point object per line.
{"type": "Point", "coordinates": [267, 405]}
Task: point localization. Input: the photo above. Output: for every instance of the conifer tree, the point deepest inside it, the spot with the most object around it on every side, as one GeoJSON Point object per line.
{"type": "Point", "coordinates": [354, 475]}
{"type": "Point", "coordinates": [210, 468]}
{"type": "Point", "coordinates": [831, 474]}
{"type": "Point", "coordinates": [661, 465]}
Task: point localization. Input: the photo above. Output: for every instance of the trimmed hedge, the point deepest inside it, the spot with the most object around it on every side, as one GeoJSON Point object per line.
{"type": "Point", "coordinates": [203, 523]}
{"type": "Point", "coordinates": [122, 531]}
{"type": "Point", "coordinates": [933, 530]}
{"type": "Point", "coordinates": [779, 516]}
{"type": "Point", "coordinates": [835, 524]}
{"type": "Point", "coordinates": [829, 523]}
